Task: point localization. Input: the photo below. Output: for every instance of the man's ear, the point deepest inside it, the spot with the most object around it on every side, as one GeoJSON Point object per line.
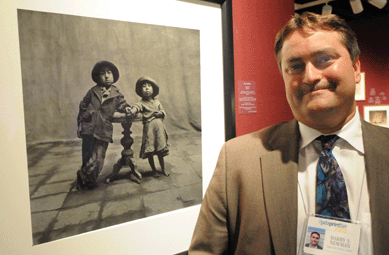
{"type": "Point", "coordinates": [357, 70]}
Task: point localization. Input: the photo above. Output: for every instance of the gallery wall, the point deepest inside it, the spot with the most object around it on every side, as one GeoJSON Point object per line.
{"type": "Point", "coordinates": [372, 39]}
{"type": "Point", "coordinates": [255, 25]}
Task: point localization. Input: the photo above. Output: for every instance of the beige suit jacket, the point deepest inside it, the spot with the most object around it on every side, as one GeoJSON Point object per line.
{"type": "Point", "coordinates": [250, 206]}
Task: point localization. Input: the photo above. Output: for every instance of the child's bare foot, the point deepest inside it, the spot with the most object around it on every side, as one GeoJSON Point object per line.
{"type": "Point", "coordinates": [134, 178]}
{"type": "Point", "coordinates": [156, 174]}
{"type": "Point", "coordinates": [166, 173]}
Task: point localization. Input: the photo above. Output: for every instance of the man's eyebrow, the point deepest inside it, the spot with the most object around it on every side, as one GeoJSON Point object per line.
{"type": "Point", "coordinates": [328, 50]}
{"type": "Point", "coordinates": [293, 60]}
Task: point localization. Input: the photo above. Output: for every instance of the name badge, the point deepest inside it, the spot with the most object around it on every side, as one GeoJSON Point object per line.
{"type": "Point", "coordinates": [330, 236]}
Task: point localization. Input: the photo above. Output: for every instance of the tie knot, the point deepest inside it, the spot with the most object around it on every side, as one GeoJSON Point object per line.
{"type": "Point", "coordinates": [327, 141]}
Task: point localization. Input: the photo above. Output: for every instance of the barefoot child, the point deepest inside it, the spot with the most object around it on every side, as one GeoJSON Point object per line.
{"type": "Point", "coordinates": [155, 139]}
{"type": "Point", "coordinates": [94, 121]}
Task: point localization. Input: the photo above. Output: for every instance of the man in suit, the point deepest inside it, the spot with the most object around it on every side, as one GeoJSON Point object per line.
{"type": "Point", "coordinates": [264, 184]}
{"type": "Point", "coordinates": [314, 241]}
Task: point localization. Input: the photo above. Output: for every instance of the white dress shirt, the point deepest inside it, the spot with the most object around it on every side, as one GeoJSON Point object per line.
{"type": "Point", "coordinates": [349, 152]}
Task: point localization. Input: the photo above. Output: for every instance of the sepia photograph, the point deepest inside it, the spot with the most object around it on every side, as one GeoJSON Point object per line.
{"type": "Point", "coordinates": [377, 114]}
{"type": "Point", "coordinates": [112, 121]}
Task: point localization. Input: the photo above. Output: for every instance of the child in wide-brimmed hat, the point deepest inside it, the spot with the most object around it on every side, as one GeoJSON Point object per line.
{"type": "Point", "coordinates": [94, 121]}
{"type": "Point", "coordinates": [155, 138]}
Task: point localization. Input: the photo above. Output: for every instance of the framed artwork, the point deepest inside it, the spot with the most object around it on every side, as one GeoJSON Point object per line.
{"type": "Point", "coordinates": [360, 93]}
{"type": "Point", "coordinates": [168, 232]}
{"type": "Point", "coordinates": [377, 114]}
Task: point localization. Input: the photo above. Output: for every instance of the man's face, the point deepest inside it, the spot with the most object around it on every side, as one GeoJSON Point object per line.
{"type": "Point", "coordinates": [314, 239]}
{"type": "Point", "coordinates": [106, 77]}
{"type": "Point", "coordinates": [319, 74]}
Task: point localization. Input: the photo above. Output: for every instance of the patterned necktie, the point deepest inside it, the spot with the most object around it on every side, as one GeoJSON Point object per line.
{"type": "Point", "coordinates": [331, 193]}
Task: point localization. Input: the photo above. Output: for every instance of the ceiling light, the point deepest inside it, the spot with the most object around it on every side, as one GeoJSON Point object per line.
{"type": "Point", "coordinates": [327, 9]}
{"type": "Point", "coordinates": [356, 5]}
{"type": "Point", "coordinates": [378, 3]}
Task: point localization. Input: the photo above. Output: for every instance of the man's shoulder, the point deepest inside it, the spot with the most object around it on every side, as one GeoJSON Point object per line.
{"type": "Point", "coordinates": [318, 246]}
{"type": "Point", "coordinates": [263, 138]}
{"type": "Point", "coordinates": [375, 136]}
{"type": "Point", "coordinates": [265, 133]}
{"type": "Point", "coordinates": [382, 131]}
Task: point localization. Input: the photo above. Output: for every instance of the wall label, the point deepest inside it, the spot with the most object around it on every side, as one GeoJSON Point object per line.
{"type": "Point", "coordinates": [247, 100]}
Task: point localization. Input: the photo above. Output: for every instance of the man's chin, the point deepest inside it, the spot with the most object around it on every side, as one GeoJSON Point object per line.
{"type": "Point", "coordinates": [320, 110]}
{"type": "Point", "coordinates": [322, 105]}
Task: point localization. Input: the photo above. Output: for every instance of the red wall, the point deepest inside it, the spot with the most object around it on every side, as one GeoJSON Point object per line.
{"type": "Point", "coordinates": [373, 41]}
{"type": "Point", "coordinates": [255, 25]}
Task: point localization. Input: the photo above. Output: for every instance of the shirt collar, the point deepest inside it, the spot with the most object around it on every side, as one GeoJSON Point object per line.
{"type": "Point", "coordinates": [351, 132]}
{"type": "Point", "coordinates": [104, 89]}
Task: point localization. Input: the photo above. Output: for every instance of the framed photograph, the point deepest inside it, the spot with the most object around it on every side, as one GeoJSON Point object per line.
{"type": "Point", "coordinates": [377, 114]}
{"type": "Point", "coordinates": [360, 93]}
{"type": "Point", "coordinates": [47, 100]}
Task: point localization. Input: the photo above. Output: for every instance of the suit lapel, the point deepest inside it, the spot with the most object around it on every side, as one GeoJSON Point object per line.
{"type": "Point", "coordinates": [376, 141]}
{"type": "Point", "coordinates": [279, 170]}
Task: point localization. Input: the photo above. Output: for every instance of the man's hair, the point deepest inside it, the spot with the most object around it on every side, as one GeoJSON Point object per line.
{"type": "Point", "coordinates": [314, 232]}
{"type": "Point", "coordinates": [317, 22]}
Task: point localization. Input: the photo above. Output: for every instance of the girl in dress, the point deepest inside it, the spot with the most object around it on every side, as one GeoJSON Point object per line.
{"type": "Point", "coordinates": [155, 138]}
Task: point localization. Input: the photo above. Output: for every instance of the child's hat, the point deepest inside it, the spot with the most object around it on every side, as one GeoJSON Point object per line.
{"type": "Point", "coordinates": [102, 64]}
{"type": "Point", "coordinates": [139, 83]}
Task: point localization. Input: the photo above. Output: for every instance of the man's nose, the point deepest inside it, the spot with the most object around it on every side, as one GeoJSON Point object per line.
{"type": "Point", "coordinates": [312, 74]}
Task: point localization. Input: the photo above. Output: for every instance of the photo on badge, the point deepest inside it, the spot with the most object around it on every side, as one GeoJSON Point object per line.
{"type": "Point", "coordinates": [314, 238]}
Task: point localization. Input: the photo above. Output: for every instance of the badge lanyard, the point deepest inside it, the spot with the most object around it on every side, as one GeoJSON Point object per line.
{"type": "Point", "coordinates": [339, 236]}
